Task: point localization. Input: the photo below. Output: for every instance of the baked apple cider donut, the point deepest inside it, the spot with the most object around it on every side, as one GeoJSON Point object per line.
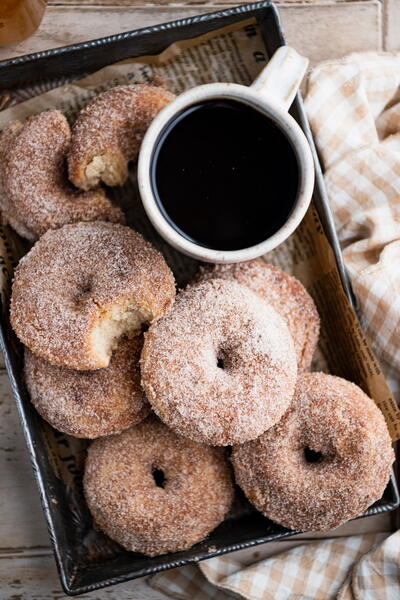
{"type": "Point", "coordinates": [81, 287]}
{"type": "Point", "coordinates": [9, 214]}
{"type": "Point", "coordinates": [220, 367]}
{"type": "Point", "coordinates": [325, 462]}
{"type": "Point", "coordinates": [153, 491]}
{"type": "Point", "coordinates": [285, 293]}
{"type": "Point", "coordinates": [34, 180]}
{"type": "Point", "coordinates": [89, 404]}
{"type": "Point", "coordinates": [108, 132]}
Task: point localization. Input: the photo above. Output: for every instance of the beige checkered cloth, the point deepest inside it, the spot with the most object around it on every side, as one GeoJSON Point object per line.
{"type": "Point", "coordinates": [354, 109]}
{"type": "Point", "coordinates": [354, 568]}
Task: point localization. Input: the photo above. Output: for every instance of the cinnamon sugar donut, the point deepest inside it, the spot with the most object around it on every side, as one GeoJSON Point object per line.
{"type": "Point", "coordinates": [89, 404]}
{"type": "Point", "coordinates": [325, 462]}
{"type": "Point", "coordinates": [220, 367]}
{"type": "Point", "coordinates": [285, 293]}
{"type": "Point", "coordinates": [155, 492]}
{"type": "Point", "coordinates": [81, 287]}
{"type": "Point", "coordinates": [108, 132]}
{"type": "Point", "coordinates": [8, 213]}
{"type": "Point", "coordinates": [35, 189]}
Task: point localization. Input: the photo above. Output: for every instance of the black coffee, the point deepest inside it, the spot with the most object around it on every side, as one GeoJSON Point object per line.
{"type": "Point", "coordinates": [224, 175]}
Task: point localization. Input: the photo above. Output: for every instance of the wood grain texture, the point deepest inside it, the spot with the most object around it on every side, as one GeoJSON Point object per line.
{"type": "Point", "coordinates": [332, 31]}
{"type": "Point", "coordinates": [33, 576]}
{"type": "Point", "coordinates": [321, 31]}
{"type": "Point", "coordinates": [22, 523]}
{"type": "Point", "coordinates": [198, 2]}
{"type": "Point", "coordinates": [391, 25]}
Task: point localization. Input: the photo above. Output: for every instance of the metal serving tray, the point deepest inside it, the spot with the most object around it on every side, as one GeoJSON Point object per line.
{"type": "Point", "coordinates": [86, 559]}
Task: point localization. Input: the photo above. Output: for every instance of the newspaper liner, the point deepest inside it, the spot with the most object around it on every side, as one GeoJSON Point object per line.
{"type": "Point", "coordinates": [233, 54]}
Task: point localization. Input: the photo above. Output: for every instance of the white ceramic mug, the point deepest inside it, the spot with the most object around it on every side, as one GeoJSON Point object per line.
{"type": "Point", "coordinates": [272, 94]}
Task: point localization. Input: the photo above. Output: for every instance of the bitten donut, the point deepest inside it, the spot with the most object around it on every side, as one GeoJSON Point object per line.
{"type": "Point", "coordinates": [36, 193]}
{"type": "Point", "coordinates": [220, 367]}
{"type": "Point", "coordinates": [155, 492]}
{"type": "Point", "coordinates": [285, 293]}
{"type": "Point", "coordinates": [325, 462]}
{"type": "Point", "coordinates": [108, 132]}
{"type": "Point", "coordinates": [89, 404]}
{"type": "Point", "coordinates": [81, 287]}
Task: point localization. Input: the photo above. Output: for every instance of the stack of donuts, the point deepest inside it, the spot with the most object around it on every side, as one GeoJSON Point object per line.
{"type": "Point", "coordinates": [164, 383]}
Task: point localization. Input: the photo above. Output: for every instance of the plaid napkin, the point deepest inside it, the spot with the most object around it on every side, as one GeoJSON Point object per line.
{"type": "Point", "coordinates": [353, 568]}
{"type": "Point", "coordinates": [353, 105]}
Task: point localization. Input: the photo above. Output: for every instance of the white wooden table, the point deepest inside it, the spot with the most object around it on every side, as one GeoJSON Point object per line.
{"type": "Point", "coordinates": [319, 29]}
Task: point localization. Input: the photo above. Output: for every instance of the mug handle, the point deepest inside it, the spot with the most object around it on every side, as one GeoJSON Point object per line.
{"type": "Point", "coordinates": [279, 81]}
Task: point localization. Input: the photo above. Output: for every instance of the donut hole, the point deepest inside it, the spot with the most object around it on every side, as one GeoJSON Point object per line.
{"type": "Point", "coordinates": [222, 360]}
{"type": "Point", "coordinates": [159, 477]}
{"type": "Point", "coordinates": [220, 363]}
{"type": "Point", "coordinates": [83, 291]}
{"type": "Point", "coordinates": [312, 456]}
{"type": "Point", "coordinates": [121, 319]}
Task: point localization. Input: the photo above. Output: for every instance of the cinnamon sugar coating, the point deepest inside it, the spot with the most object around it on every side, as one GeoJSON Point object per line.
{"type": "Point", "coordinates": [220, 367]}
{"type": "Point", "coordinates": [81, 287]}
{"type": "Point", "coordinates": [89, 404]}
{"type": "Point", "coordinates": [336, 420]}
{"type": "Point", "coordinates": [108, 132]}
{"type": "Point", "coordinates": [37, 195]}
{"type": "Point", "coordinates": [193, 495]}
{"type": "Point", "coordinates": [8, 212]}
{"type": "Point", "coordinates": [285, 293]}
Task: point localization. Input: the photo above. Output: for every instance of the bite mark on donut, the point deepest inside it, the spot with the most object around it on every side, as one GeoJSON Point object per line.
{"type": "Point", "coordinates": [107, 167]}
{"type": "Point", "coordinates": [34, 180]}
{"type": "Point", "coordinates": [108, 133]}
{"type": "Point", "coordinates": [124, 318]}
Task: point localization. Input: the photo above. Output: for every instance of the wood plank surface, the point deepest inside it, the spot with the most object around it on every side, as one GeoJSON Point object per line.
{"type": "Point", "coordinates": [391, 25]}
{"type": "Point", "coordinates": [21, 520]}
{"type": "Point", "coordinates": [33, 576]}
{"type": "Point", "coordinates": [320, 32]}
{"type": "Point", "coordinates": [125, 3]}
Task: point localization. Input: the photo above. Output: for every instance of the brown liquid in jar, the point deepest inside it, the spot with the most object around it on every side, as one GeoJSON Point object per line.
{"type": "Point", "coordinates": [19, 19]}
